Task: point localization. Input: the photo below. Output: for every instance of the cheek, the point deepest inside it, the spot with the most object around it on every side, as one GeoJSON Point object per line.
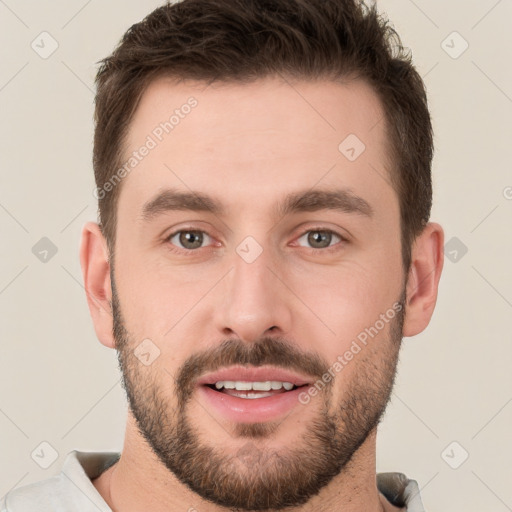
{"type": "Point", "coordinates": [365, 361]}
{"type": "Point", "coordinates": [148, 303]}
{"type": "Point", "coordinates": [349, 303]}
{"type": "Point", "coordinates": [162, 304]}
{"type": "Point", "coordinates": [349, 294]}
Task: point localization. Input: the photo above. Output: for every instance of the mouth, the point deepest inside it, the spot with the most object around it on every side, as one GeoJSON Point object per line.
{"type": "Point", "coordinates": [252, 394]}
{"type": "Point", "coordinates": [253, 390]}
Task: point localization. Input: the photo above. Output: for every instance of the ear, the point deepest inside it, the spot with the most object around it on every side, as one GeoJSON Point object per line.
{"type": "Point", "coordinates": [427, 260]}
{"type": "Point", "coordinates": [96, 274]}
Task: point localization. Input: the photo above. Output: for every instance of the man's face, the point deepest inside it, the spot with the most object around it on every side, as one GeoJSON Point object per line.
{"type": "Point", "coordinates": [257, 293]}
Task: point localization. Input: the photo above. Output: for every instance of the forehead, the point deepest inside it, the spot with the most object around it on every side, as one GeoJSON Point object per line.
{"type": "Point", "coordinates": [264, 137]}
{"type": "Point", "coordinates": [326, 109]}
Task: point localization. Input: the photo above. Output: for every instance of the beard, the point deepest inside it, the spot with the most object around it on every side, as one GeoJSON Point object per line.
{"type": "Point", "coordinates": [255, 477]}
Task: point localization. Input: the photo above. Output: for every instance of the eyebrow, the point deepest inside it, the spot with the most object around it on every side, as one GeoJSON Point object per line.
{"type": "Point", "coordinates": [342, 200]}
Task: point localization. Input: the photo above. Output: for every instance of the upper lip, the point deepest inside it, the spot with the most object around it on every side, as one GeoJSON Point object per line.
{"type": "Point", "coordinates": [254, 374]}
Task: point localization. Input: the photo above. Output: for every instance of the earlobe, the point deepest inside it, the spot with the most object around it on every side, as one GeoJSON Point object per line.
{"type": "Point", "coordinates": [96, 276]}
{"type": "Point", "coordinates": [423, 280]}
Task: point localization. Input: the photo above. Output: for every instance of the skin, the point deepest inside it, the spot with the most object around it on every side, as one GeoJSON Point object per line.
{"type": "Point", "coordinates": [248, 146]}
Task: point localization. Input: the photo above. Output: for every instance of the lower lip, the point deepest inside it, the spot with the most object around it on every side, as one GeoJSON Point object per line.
{"type": "Point", "coordinates": [246, 410]}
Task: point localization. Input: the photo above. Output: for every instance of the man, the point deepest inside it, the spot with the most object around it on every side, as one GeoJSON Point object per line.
{"type": "Point", "coordinates": [264, 187]}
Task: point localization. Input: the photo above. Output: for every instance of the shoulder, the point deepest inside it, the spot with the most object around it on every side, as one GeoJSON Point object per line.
{"type": "Point", "coordinates": [36, 496]}
{"type": "Point", "coordinates": [400, 491]}
{"type": "Point", "coordinates": [69, 490]}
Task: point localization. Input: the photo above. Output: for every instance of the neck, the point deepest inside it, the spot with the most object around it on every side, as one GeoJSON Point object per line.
{"type": "Point", "coordinates": [140, 481]}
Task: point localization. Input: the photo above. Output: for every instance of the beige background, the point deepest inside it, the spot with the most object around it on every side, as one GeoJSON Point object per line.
{"type": "Point", "coordinates": [59, 385]}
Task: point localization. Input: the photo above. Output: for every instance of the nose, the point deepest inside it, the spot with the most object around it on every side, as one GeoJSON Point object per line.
{"type": "Point", "coordinates": [254, 299]}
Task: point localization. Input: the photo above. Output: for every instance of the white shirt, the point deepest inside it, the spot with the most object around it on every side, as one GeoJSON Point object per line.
{"type": "Point", "coordinates": [72, 488]}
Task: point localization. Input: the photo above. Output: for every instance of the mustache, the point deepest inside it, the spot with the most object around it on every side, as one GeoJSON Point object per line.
{"type": "Point", "coordinates": [265, 351]}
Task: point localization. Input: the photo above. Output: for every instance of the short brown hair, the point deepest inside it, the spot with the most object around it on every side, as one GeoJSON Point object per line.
{"type": "Point", "coordinates": [245, 40]}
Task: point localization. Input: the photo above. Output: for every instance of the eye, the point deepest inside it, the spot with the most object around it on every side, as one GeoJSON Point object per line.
{"type": "Point", "coordinates": [320, 239]}
{"type": "Point", "coordinates": [188, 239]}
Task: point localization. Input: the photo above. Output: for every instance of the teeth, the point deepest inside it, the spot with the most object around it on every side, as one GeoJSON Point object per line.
{"type": "Point", "coordinates": [256, 386]}
{"type": "Point", "coordinates": [228, 384]}
{"type": "Point", "coordinates": [261, 386]}
{"type": "Point", "coordinates": [252, 395]}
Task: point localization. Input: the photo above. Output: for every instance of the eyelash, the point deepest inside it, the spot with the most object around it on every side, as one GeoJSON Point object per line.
{"type": "Point", "coordinates": [313, 250]}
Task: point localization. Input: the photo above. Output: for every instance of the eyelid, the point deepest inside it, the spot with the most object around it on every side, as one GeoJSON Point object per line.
{"type": "Point", "coordinates": [168, 237]}
{"type": "Point", "coordinates": [328, 249]}
{"type": "Point", "coordinates": [326, 230]}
